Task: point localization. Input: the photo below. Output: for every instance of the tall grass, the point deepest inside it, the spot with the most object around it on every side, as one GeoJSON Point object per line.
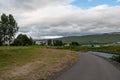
{"type": "Point", "coordinates": [22, 63]}
{"type": "Point", "coordinates": [107, 49]}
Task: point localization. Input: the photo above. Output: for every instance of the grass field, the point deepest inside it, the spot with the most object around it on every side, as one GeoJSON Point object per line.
{"type": "Point", "coordinates": [107, 49]}
{"type": "Point", "coordinates": [33, 63]}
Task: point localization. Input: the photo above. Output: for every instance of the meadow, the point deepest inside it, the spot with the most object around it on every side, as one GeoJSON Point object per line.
{"type": "Point", "coordinates": [33, 62]}
{"type": "Point", "coordinates": [104, 49]}
{"type": "Point", "coordinates": [107, 49]}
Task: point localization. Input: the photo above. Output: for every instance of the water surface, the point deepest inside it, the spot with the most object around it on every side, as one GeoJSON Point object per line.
{"type": "Point", "coordinates": [106, 55]}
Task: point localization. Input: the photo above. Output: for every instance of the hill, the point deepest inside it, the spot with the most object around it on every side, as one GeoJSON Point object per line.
{"type": "Point", "coordinates": [97, 38]}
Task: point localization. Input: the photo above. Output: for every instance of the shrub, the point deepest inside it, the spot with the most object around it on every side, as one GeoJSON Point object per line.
{"type": "Point", "coordinates": [116, 58]}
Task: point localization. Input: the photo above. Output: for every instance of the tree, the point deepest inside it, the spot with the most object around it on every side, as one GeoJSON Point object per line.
{"type": "Point", "coordinates": [31, 42]}
{"type": "Point", "coordinates": [54, 43]}
{"type": "Point", "coordinates": [23, 40]}
{"type": "Point", "coordinates": [0, 35]}
{"type": "Point", "coordinates": [0, 41]}
{"type": "Point", "coordinates": [57, 42]}
{"type": "Point", "coordinates": [116, 58]}
{"type": "Point", "coordinates": [49, 42]}
{"type": "Point", "coordinates": [12, 29]}
{"type": "Point", "coordinates": [74, 44]}
{"type": "Point", "coordinates": [8, 28]}
{"type": "Point", "coordinates": [3, 28]}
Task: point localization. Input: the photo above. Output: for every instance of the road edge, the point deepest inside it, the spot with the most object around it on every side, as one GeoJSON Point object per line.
{"type": "Point", "coordinates": [57, 74]}
{"type": "Point", "coordinates": [114, 63]}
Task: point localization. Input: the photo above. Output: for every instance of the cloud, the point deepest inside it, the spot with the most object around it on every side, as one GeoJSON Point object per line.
{"type": "Point", "coordinates": [31, 4]}
{"type": "Point", "coordinates": [118, 0]}
{"type": "Point", "coordinates": [56, 18]}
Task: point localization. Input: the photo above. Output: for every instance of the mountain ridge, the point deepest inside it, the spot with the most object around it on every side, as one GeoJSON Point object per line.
{"type": "Point", "coordinates": [96, 38]}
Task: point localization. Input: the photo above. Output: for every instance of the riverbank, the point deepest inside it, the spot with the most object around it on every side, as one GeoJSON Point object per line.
{"type": "Point", "coordinates": [116, 64]}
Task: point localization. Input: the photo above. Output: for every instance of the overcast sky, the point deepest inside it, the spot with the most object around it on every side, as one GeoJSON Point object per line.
{"type": "Point", "coordinates": [56, 18]}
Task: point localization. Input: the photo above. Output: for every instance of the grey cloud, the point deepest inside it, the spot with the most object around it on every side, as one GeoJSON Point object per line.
{"type": "Point", "coordinates": [59, 18]}
{"type": "Point", "coordinates": [30, 4]}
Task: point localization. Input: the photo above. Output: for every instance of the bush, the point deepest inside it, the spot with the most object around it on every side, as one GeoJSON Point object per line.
{"type": "Point", "coordinates": [74, 44]}
{"type": "Point", "coordinates": [23, 40]}
{"type": "Point", "coordinates": [116, 58]}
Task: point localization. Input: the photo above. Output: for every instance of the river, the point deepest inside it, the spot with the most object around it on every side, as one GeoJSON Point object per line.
{"type": "Point", "coordinates": [106, 55]}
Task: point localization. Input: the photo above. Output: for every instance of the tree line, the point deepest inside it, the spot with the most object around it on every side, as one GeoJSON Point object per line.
{"type": "Point", "coordinates": [60, 43]}
{"type": "Point", "coordinates": [8, 29]}
{"type": "Point", "coordinates": [54, 43]}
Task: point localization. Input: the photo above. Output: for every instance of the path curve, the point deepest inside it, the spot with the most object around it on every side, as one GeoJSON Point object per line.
{"type": "Point", "coordinates": [91, 67]}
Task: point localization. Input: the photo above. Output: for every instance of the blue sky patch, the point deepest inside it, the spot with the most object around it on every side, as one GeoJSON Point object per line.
{"type": "Point", "coordinates": [92, 3]}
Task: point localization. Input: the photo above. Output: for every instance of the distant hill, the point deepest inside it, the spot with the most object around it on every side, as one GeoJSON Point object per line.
{"type": "Point", "coordinates": [98, 38]}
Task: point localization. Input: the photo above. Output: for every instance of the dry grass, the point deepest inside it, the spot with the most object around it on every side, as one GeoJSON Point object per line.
{"type": "Point", "coordinates": [36, 63]}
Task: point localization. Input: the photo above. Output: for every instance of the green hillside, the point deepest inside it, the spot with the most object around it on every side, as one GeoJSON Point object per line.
{"type": "Point", "coordinates": [98, 38]}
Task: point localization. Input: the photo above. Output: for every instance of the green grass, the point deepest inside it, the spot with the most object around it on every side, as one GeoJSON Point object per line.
{"type": "Point", "coordinates": [11, 55]}
{"type": "Point", "coordinates": [73, 48]}
{"type": "Point", "coordinates": [22, 63]}
{"type": "Point", "coordinates": [107, 49]}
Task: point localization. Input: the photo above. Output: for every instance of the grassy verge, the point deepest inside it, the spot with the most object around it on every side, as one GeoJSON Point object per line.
{"type": "Point", "coordinates": [26, 63]}
{"type": "Point", "coordinates": [105, 49]}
